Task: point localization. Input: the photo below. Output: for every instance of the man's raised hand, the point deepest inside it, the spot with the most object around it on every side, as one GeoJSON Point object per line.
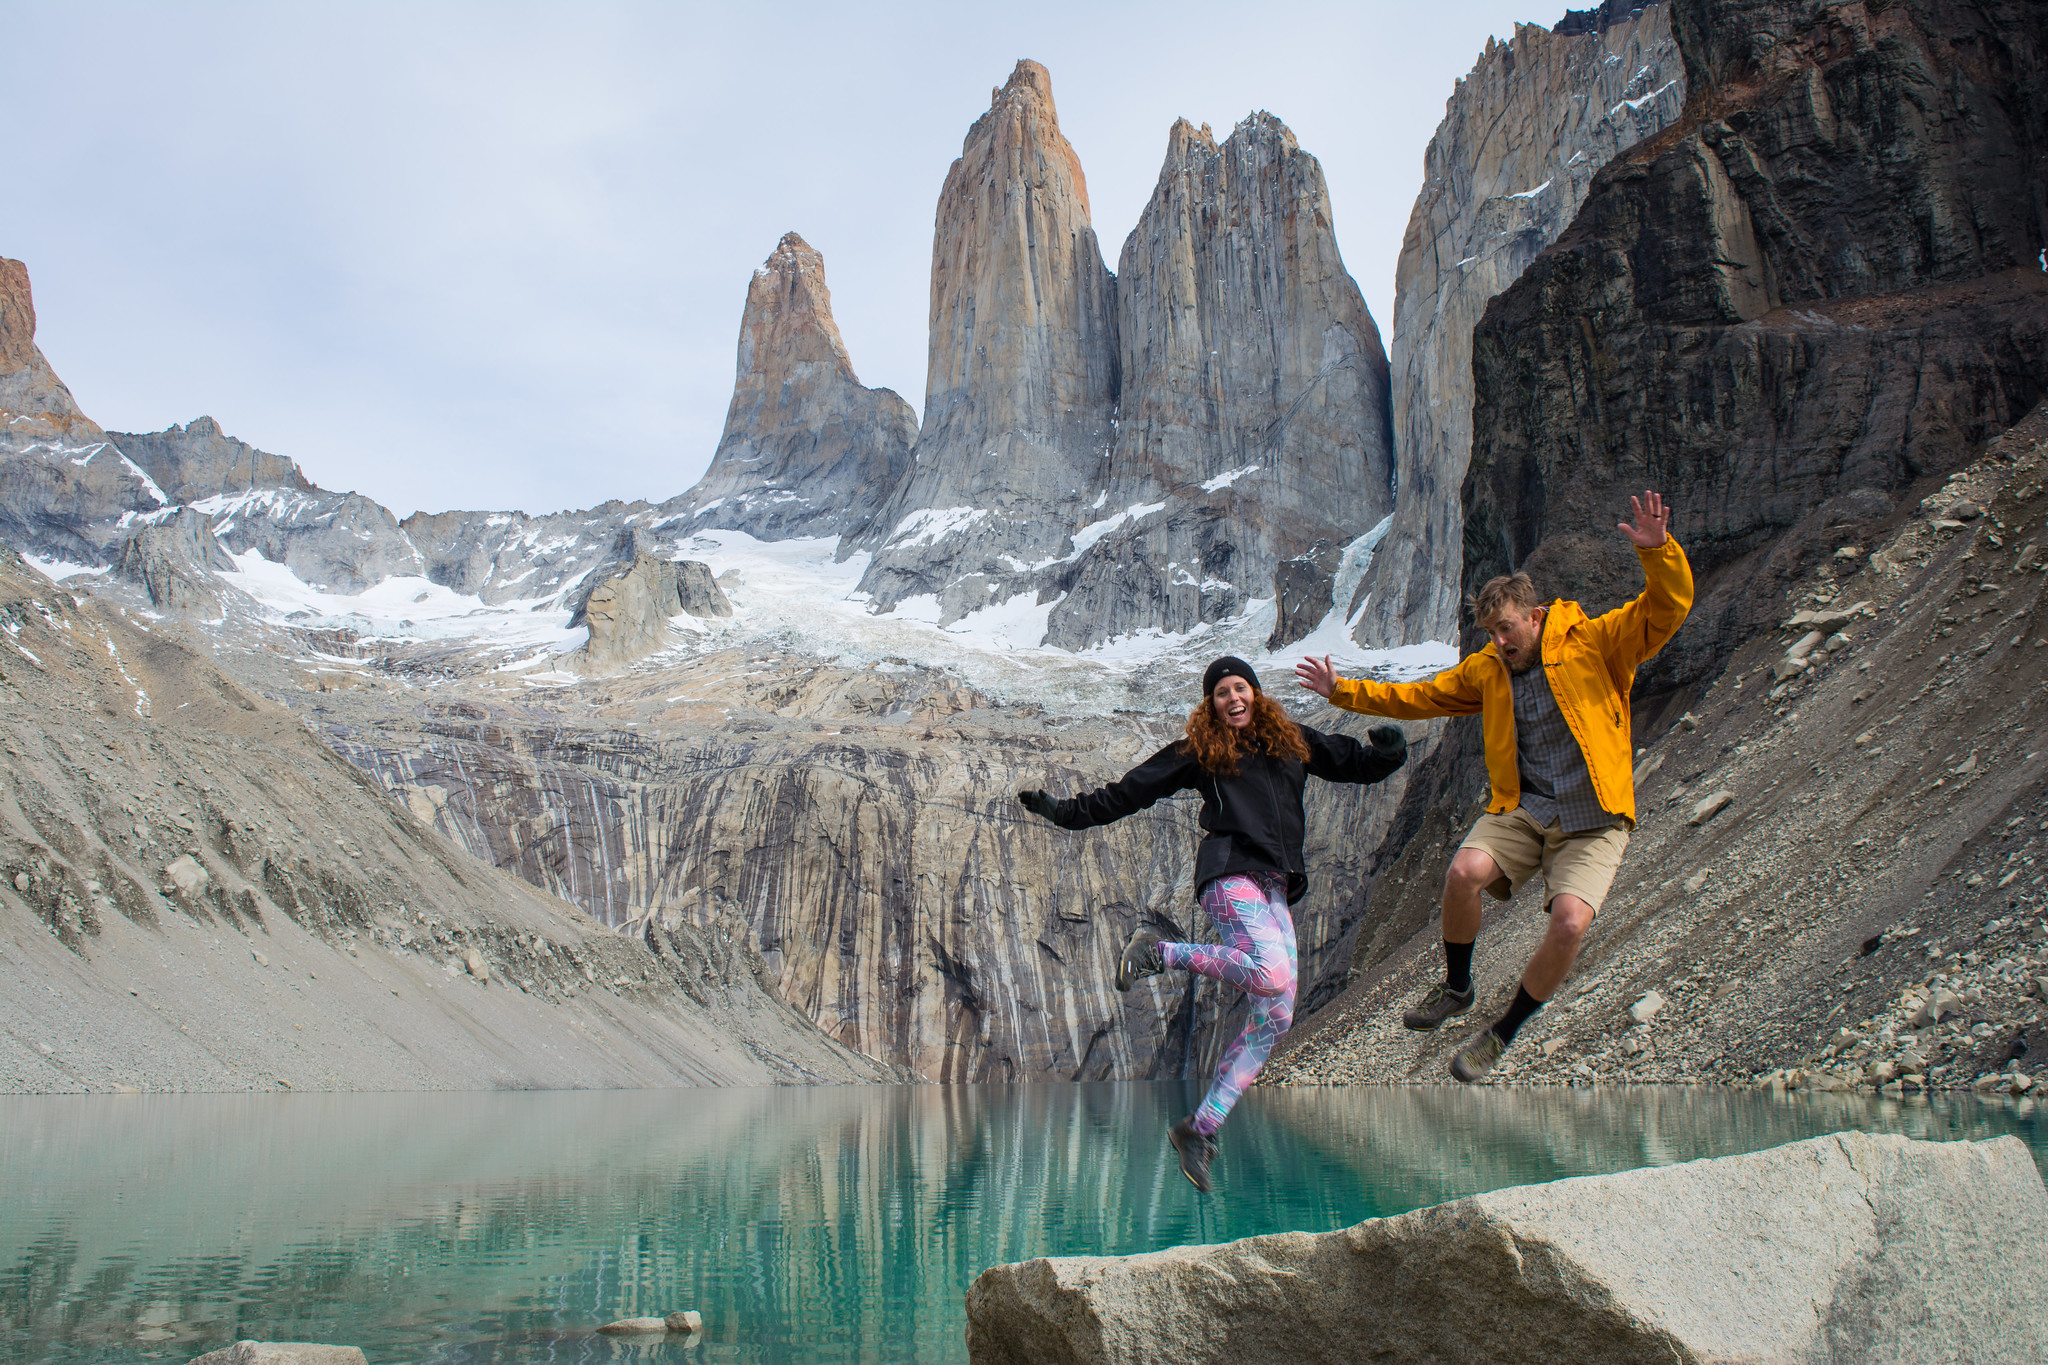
{"type": "Point", "coordinates": [1316, 675]}
{"type": "Point", "coordinates": [1652, 517]}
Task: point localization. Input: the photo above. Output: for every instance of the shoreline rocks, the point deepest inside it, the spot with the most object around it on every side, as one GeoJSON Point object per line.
{"type": "Point", "coordinates": [687, 1320]}
{"type": "Point", "coordinates": [282, 1353]}
{"type": "Point", "coordinates": [1850, 1246]}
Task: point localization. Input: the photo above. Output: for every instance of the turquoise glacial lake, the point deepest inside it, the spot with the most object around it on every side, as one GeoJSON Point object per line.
{"type": "Point", "coordinates": [808, 1226]}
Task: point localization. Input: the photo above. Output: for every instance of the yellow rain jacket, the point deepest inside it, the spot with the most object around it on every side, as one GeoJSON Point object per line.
{"type": "Point", "coordinates": [1592, 666]}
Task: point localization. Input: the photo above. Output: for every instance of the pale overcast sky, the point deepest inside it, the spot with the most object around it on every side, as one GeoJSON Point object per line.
{"type": "Point", "coordinates": [493, 255]}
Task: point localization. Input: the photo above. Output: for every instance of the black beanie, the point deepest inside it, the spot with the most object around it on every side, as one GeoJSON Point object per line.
{"type": "Point", "coordinates": [1229, 666]}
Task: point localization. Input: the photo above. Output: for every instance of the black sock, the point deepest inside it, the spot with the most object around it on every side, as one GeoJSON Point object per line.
{"type": "Point", "coordinates": [1518, 1014]}
{"type": "Point", "coordinates": [1458, 965]}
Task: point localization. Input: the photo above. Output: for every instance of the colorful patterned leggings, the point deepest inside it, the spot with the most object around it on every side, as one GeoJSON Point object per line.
{"type": "Point", "coordinates": [1256, 956]}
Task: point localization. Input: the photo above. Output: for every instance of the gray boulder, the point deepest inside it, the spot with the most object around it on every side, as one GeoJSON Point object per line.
{"type": "Point", "coordinates": [628, 613]}
{"type": "Point", "coordinates": [281, 1353]}
{"type": "Point", "coordinates": [1853, 1247]}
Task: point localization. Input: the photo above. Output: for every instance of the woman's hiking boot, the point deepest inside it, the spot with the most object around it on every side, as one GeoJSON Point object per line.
{"type": "Point", "coordinates": [1477, 1057]}
{"type": "Point", "coordinates": [1140, 959]}
{"type": "Point", "coordinates": [1439, 1004]}
{"type": "Point", "coordinates": [1196, 1151]}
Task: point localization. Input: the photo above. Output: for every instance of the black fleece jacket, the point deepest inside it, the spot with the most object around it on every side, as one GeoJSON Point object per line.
{"type": "Point", "coordinates": [1253, 817]}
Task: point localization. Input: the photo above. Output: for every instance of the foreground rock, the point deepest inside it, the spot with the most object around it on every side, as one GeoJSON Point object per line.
{"type": "Point", "coordinates": [1848, 1247]}
{"type": "Point", "coordinates": [281, 1353]}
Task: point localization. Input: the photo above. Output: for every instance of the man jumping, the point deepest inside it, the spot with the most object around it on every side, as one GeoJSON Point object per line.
{"type": "Point", "coordinates": [1558, 756]}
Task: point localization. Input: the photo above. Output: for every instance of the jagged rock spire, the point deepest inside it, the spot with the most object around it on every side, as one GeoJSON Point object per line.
{"type": "Point", "coordinates": [1021, 386]}
{"type": "Point", "coordinates": [807, 450]}
{"type": "Point", "coordinates": [1254, 398]}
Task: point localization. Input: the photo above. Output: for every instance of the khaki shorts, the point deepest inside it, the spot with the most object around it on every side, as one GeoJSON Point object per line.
{"type": "Point", "coordinates": [1581, 865]}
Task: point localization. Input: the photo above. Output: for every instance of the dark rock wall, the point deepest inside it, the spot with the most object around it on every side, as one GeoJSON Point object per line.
{"type": "Point", "coordinates": [1824, 279]}
{"type": "Point", "coordinates": [1820, 285]}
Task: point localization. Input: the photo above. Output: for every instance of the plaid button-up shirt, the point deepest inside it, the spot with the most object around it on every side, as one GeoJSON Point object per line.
{"type": "Point", "coordinates": [1556, 784]}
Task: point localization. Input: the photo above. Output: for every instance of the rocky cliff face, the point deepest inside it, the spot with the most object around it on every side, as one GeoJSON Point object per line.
{"type": "Point", "coordinates": [1794, 312]}
{"type": "Point", "coordinates": [1140, 453]}
{"type": "Point", "coordinates": [199, 461]}
{"type": "Point", "coordinates": [862, 823]}
{"type": "Point", "coordinates": [60, 478]}
{"type": "Point", "coordinates": [1823, 283]}
{"type": "Point", "coordinates": [34, 404]}
{"type": "Point", "coordinates": [72, 492]}
{"type": "Point", "coordinates": [176, 562]}
{"type": "Point", "coordinates": [1253, 414]}
{"type": "Point", "coordinates": [1021, 388]}
{"type": "Point", "coordinates": [1504, 175]}
{"type": "Point", "coordinates": [807, 450]}
{"type": "Point", "coordinates": [196, 894]}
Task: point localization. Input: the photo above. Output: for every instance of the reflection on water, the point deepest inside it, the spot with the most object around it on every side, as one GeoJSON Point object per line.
{"type": "Point", "coordinates": [826, 1225]}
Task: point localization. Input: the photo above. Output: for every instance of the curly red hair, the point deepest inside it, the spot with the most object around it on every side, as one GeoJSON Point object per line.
{"type": "Point", "coordinates": [1217, 747]}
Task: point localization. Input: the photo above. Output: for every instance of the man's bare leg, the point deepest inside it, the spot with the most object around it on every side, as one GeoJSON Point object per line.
{"type": "Point", "coordinates": [1570, 917]}
{"type": "Point", "coordinates": [1471, 872]}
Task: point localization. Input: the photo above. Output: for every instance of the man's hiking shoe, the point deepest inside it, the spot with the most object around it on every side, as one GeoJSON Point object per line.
{"type": "Point", "coordinates": [1438, 1005]}
{"type": "Point", "coordinates": [1141, 959]}
{"type": "Point", "coordinates": [1477, 1057]}
{"type": "Point", "coordinates": [1196, 1152]}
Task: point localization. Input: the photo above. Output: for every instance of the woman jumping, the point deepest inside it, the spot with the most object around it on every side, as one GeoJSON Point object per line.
{"type": "Point", "coordinates": [1250, 760]}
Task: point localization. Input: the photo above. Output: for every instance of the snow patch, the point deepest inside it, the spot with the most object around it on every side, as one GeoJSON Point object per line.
{"type": "Point", "coordinates": [930, 525]}
{"type": "Point", "coordinates": [1641, 101]}
{"type": "Point", "coordinates": [1085, 538]}
{"type": "Point", "coordinates": [1226, 479]}
{"type": "Point", "coordinates": [405, 607]}
{"type": "Point", "coordinates": [149, 485]}
{"type": "Point", "coordinates": [57, 570]}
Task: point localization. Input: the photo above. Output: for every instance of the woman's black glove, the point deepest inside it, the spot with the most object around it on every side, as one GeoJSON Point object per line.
{"type": "Point", "coordinates": [1389, 742]}
{"type": "Point", "coordinates": [1038, 803]}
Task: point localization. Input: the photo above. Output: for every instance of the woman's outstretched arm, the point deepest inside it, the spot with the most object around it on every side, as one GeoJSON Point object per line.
{"type": "Point", "coordinates": [1160, 776]}
{"type": "Point", "coordinates": [1340, 758]}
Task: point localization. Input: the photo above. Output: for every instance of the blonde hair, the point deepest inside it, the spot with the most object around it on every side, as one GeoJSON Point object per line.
{"type": "Point", "coordinates": [1508, 590]}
